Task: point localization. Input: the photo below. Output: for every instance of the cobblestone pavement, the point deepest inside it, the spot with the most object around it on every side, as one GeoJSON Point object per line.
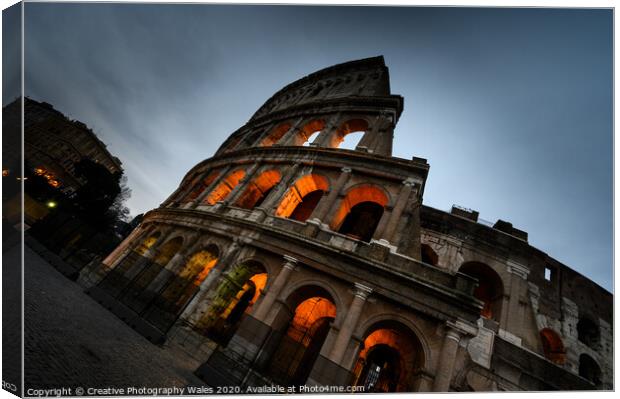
{"type": "Point", "coordinates": [71, 341]}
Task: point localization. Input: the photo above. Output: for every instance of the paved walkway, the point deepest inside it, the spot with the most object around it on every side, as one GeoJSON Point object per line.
{"type": "Point", "coordinates": [71, 341]}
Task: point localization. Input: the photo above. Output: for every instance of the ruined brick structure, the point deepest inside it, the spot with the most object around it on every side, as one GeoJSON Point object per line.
{"type": "Point", "coordinates": [284, 259]}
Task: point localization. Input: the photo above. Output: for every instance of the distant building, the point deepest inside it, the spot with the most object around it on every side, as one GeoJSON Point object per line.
{"type": "Point", "coordinates": [53, 144]}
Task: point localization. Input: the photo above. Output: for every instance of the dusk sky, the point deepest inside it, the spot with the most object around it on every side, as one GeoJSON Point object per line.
{"type": "Point", "coordinates": [511, 107]}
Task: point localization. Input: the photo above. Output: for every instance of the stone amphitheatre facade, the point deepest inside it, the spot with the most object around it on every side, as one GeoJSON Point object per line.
{"type": "Point", "coordinates": [285, 260]}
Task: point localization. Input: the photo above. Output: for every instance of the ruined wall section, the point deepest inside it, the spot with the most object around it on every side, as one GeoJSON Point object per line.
{"type": "Point", "coordinates": [540, 294]}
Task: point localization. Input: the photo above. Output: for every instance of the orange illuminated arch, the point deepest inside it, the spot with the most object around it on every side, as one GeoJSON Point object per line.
{"type": "Point", "coordinates": [305, 332]}
{"type": "Point", "coordinates": [348, 127]}
{"type": "Point", "coordinates": [553, 347]}
{"type": "Point", "coordinates": [148, 243]}
{"type": "Point", "coordinates": [389, 357]}
{"type": "Point", "coordinates": [258, 189]}
{"type": "Point", "coordinates": [275, 135]}
{"type": "Point", "coordinates": [490, 289]}
{"type": "Point", "coordinates": [359, 212]}
{"type": "Point", "coordinates": [301, 199]}
{"type": "Point", "coordinates": [201, 186]}
{"type": "Point", "coordinates": [224, 188]}
{"type": "Point", "coordinates": [168, 250]}
{"type": "Point", "coordinates": [308, 131]}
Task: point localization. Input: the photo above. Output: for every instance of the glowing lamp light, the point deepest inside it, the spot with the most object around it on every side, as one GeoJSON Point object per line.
{"type": "Point", "coordinates": [51, 204]}
{"type": "Point", "coordinates": [5, 172]}
{"type": "Point", "coordinates": [39, 171]}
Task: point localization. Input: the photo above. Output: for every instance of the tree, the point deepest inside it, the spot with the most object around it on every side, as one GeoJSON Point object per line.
{"type": "Point", "coordinates": [99, 192]}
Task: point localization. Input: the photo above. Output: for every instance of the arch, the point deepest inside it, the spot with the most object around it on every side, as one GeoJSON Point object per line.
{"type": "Point", "coordinates": [181, 287]}
{"type": "Point", "coordinates": [588, 331]}
{"type": "Point", "coordinates": [275, 134]}
{"type": "Point", "coordinates": [166, 251]}
{"type": "Point", "coordinates": [147, 243]}
{"type": "Point", "coordinates": [490, 289]}
{"type": "Point", "coordinates": [389, 358]}
{"type": "Point", "coordinates": [429, 255]}
{"type": "Point", "coordinates": [360, 211]}
{"type": "Point", "coordinates": [309, 131]}
{"type": "Point", "coordinates": [301, 199]}
{"type": "Point", "coordinates": [589, 369]}
{"type": "Point", "coordinates": [553, 348]}
{"type": "Point", "coordinates": [258, 189]}
{"type": "Point", "coordinates": [302, 328]}
{"type": "Point", "coordinates": [231, 299]}
{"type": "Point", "coordinates": [225, 187]}
{"type": "Point", "coordinates": [202, 186]}
{"type": "Point", "coordinates": [348, 127]}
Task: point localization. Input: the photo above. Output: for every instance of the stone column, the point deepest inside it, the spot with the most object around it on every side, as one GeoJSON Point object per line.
{"type": "Point", "coordinates": [201, 300]}
{"type": "Point", "coordinates": [445, 367]}
{"type": "Point", "coordinates": [325, 137]}
{"type": "Point", "coordinates": [518, 280]}
{"type": "Point", "coordinates": [454, 332]}
{"type": "Point", "coordinates": [148, 255]}
{"type": "Point", "coordinates": [239, 188]}
{"type": "Point", "coordinates": [271, 201]}
{"type": "Point", "coordinates": [276, 288]}
{"type": "Point", "coordinates": [170, 268]}
{"type": "Point", "coordinates": [211, 186]}
{"type": "Point", "coordinates": [327, 204]}
{"type": "Point", "coordinates": [350, 322]}
{"type": "Point", "coordinates": [288, 137]}
{"type": "Point", "coordinates": [389, 230]}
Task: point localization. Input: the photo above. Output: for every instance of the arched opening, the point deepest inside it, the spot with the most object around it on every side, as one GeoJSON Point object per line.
{"type": "Point", "coordinates": [301, 335]}
{"type": "Point", "coordinates": [168, 250]}
{"type": "Point", "coordinates": [135, 296]}
{"type": "Point", "coordinates": [258, 189]}
{"type": "Point", "coordinates": [359, 213]}
{"type": "Point", "coordinates": [311, 138]}
{"type": "Point", "coordinates": [225, 187]}
{"type": "Point", "coordinates": [301, 199]}
{"type": "Point", "coordinates": [589, 369]}
{"type": "Point", "coordinates": [275, 135]}
{"type": "Point", "coordinates": [147, 243]}
{"type": "Point", "coordinates": [202, 186]}
{"type": "Point", "coordinates": [553, 348]}
{"type": "Point", "coordinates": [588, 332]}
{"type": "Point", "coordinates": [356, 128]}
{"type": "Point", "coordinates": [490, 289]}
{"type": "Point", "coordinates": [389, 358]}
{"type": "Point", "coordinates": [308, 133]}
{"type": "Point", "coordinates": [428, 255]}
{"type": "Point", "coordinates": [234, 296]}
{"type": "Point", "coordinates": [181, 288]}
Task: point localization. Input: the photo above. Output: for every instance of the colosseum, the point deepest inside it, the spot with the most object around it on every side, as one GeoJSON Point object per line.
{"type": "Point", "coordinates": [283, 260]}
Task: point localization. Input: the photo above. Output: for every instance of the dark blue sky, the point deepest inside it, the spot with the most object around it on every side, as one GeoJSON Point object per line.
{"type": "Point", "coordinates": [511, 107]}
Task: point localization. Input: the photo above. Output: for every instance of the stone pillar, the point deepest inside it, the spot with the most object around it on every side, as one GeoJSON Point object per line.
{"type": "Point", "coordinates": [201, 300]}
{"type": "Point", "coordinates": [327, 204]}
{"type": "Point", "coordinates": [170, 268]}
{"type": "Point", "coordinates": [211, 186]}
{"type": "Point", "coordinates": [325, 137]}
{"type": "Point", "coordinates": [518, 280]}
{"type": "Point", "coordinates": [289, 137]}
{"type": "Point", "coordinates": [276, 288]}
{"type": "Point", "coordinates": [148, 255]}
{"type": "Point", "coordinates": [390, 228]}
{"type": "Point", "coordinates": [238, 190]}
{"type": "Point", "coordinates": [454, 332]}
{"type": "Point", "coordinates": [445, 367]}
{"type": "Point", "coordinates": [272, 200]}
{"type": "Point", "coordinates": [349, 323]}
